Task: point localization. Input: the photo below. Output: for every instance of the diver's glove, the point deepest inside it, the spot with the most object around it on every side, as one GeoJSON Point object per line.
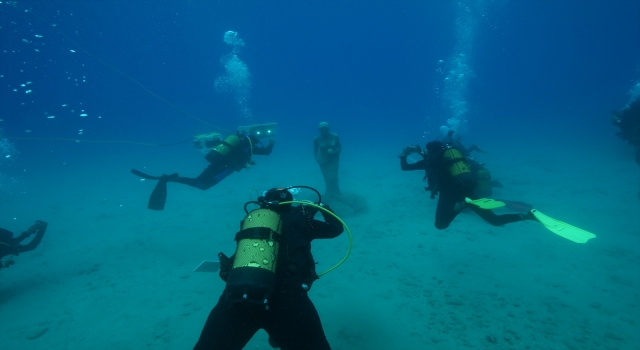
{"type": "Point", "coordinates": [410, 149]}
{"type": "Point", "coordinates": [37, 226]}
{"type": "Point", "coordinates": [326, 206]}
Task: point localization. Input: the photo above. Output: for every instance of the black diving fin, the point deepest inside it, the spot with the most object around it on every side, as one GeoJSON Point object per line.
{"type": "Point", "coordinates": [159, 195]}
{"type": "Point", "coordinates": [143, 175]}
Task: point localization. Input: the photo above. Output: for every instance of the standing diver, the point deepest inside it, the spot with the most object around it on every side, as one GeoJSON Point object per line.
{"type": "Point", "coordinates": [449, 176]}
{"type": "Point", "coordinates": [269, 276]}
{"type": "Point", "coordinates": [232, 154]}
{"type": "Point", "coordinates": [11, 246]}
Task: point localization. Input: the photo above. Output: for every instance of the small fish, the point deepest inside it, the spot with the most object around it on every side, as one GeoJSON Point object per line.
{"type": "Point", "coordinates": [51, 117]}
{"type": "Point", "coordinates": [64, 105]}
{"type": "Point", "coordinates": [28, 92]}
{"type": "Point", "coordinates": [72, 50]}
{"type": "Point", "coordinates": [38, 36]}
{"type": "Point", "coordinates": [84, 115]}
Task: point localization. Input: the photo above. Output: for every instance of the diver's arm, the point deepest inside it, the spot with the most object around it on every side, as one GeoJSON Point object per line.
{"type": "Point", "coordinates": [39, 228]}
{"type": "Point", "coordinates": [329, 228]}
{"type": "Point", "coordinates": [20, 238]}
{"type": "Point", "coordinates": [405, 166]}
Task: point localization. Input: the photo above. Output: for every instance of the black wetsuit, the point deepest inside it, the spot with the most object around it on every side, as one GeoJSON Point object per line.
{"type": "Point", "coordinates": [628, 120]}
{"type": "Point", "coordinates": [11, 246]}
{"type": "Point", "coordinates": [291, 320]}
{"type": "Point", "coordinates": [452, 192]}
{"type": "Point", "coordinates": [220, 166]}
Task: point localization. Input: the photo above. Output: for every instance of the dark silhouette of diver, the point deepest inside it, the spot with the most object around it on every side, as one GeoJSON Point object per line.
{"type": "Point", "coordinates": [628, 120]}
{"type": "Point", "coordinates": [11, 246]}
{"type": "Point", "coordinates": [271, 295]}
{"type": "Point", "coordinates": [232, 154]}
{"type": "Point", "coordinates": [450, 177]}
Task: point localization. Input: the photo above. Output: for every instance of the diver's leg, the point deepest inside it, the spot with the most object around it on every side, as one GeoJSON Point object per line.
{"type": "Point", "coordinates": [293, 323]}
{"type": "Point", "coordinates": [228, 327]}
{"type": "Point", "coordinates": [207, 179]}
{"type": "Point", "coordinates": [494, 219]}
{"type": "Point", "coordinates": [445, 212]}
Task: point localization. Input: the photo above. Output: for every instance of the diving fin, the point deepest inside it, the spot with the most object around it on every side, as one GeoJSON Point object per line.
{"type": "Point", "coordinates": [563, 229]}
{"type": "Point", "coordinates": [143, 175]}
{"type": "Point", "coordinates": [158, 196]}
{"type": "Point", "coordinates": [485, 203]}
{"type": "Point", "coordinates": [208, 266]}
{"type": "Point", "coordinates": [517, 206]}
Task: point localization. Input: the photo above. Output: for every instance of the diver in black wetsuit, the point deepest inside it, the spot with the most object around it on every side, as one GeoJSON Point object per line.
{"type": "Point", "coordinates": [232, 154]}
{"type": "Point", "coordinates": [449, 176]}
{"type": "Point", "coordinates": [628, 120]}
{"type": "Point", "coordinates": [271, 295]}
{"type": "Point", "coordinates": [11, 246]}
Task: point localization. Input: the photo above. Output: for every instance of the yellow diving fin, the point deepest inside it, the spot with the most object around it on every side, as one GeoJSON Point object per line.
{"type": "Point", "coordinates": [563, 229]}
{"type": "Point", "coordinates": [485, 203]}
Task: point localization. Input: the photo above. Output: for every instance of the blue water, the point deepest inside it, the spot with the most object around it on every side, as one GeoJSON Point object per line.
{"type": "Point", "coordinates": [91, 89]}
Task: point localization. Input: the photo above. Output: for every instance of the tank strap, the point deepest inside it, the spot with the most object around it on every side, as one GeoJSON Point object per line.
{"type": "Point", "coordinates": [258, 232]}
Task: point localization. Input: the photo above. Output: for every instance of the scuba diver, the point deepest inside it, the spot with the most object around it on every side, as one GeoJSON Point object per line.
{"type": "Point", "coordinates": [269, 276]}
{"type": "Point", "coordinates": [11, 246]}
{"type": "Point", "coordinates": [628, 120]}
{"type": "Point", "coordinates": [449, 175]}
{"type": "Point", "coordinates": [232, 154]}
{"type": "Point", "coordinates": [484, 184]}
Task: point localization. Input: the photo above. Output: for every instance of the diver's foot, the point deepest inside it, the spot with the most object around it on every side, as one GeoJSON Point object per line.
{"type": "Point", "coordinates": [528, 216]}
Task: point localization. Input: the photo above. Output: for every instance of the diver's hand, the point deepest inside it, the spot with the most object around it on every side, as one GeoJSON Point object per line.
{"type": "Point", "coordinates": [325, 206]}
{"type": "Point", "coordinates": [37, 226]}
{"type": "Point", "coordinates": [410, 149]}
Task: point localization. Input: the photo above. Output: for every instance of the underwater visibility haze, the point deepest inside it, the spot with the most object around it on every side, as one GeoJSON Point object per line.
{"type": "Point", "coordinates": [544, 90]}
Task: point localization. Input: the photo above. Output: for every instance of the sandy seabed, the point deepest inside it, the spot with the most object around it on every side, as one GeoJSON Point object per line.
{"type": "Point", "coordinates": [111, 274]}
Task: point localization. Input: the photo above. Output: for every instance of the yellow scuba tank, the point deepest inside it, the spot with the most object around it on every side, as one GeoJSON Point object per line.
{"type": "Point", "coordinates": [483, 183]}
{"type": "Point", "coordinates": [458, 165]}
{"type": "Point", "coordinates": [252, 278]}
{"type": "Point", "coordinates": [222, 150]}
{"type": "Point", "coordinates": [459, 169]}
{"type": "Point", "coordinates": [229, 143]}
